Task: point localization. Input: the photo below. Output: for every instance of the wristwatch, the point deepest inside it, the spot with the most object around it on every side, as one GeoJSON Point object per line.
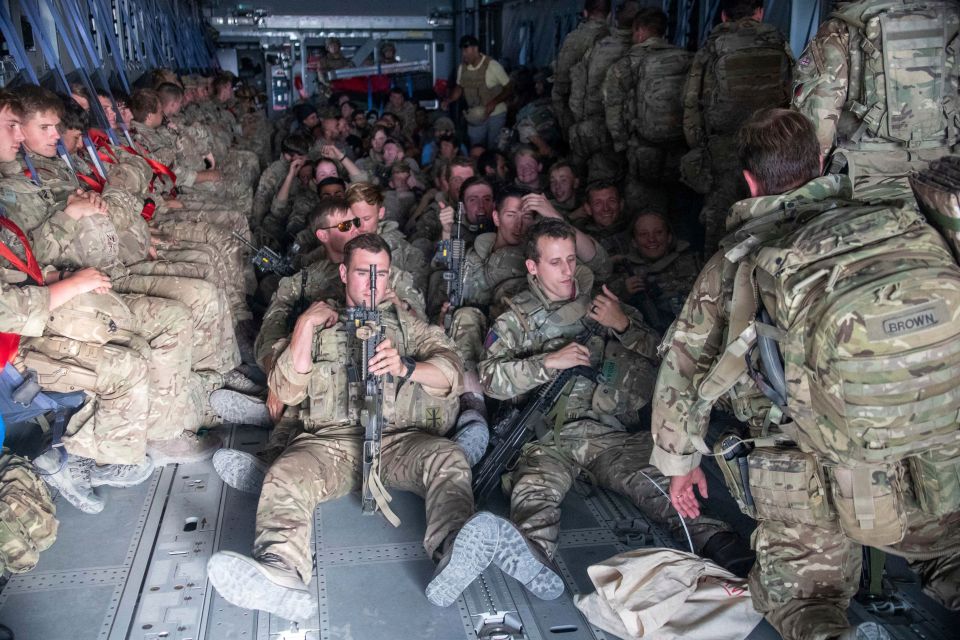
{"type": "Point", "coordinates": [410, 364]}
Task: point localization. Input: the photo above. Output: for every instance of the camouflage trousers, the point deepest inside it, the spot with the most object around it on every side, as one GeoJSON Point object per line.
{"type": "Point", "coordinates": [241, 166]}
{"type": "Point", "coordinates": [229, 193]}
{"type": "Point", "coordinates": [652, 172]}
{"type": "Point", "coordinates": [727, 188]}
{"type": "Point", "coordinates": [225, 214]}
{"type": "Point", "coordinates": [110, 427]}
{"type": "Point", "coordinates": [613, 460]}
{"type": "Point", "coordinates": [323, 466]}
{"type": "Point", "coordinates": [28, 523]}
{"type": "Point", "coordinates": [591, 149]}
{"type": "Point", "coordinates": [213, 343]}
{"type": "Point", "coordinates": [229, 257]}
{"type": "Point", "coordinates": [805, 575]}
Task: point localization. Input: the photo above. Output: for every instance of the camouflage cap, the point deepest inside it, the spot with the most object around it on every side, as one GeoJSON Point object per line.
{"type": "Point", "coordinates": [444, 123]}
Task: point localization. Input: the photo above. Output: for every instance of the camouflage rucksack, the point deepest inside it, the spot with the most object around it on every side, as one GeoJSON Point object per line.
{"type": "Point", "coordinates": [660, 74]}
{"type": "Point", "coordinates": [28, 523]}
{"type": "Point", "coordinates": [748, 69]}
{"type": "Point", "coordinates": [860, 302]}
{"type": "Point", "coordinates": [903, 69]}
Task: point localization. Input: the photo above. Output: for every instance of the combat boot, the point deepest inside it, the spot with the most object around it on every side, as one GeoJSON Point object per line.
{"type": "Point", "coordinates": [240, 470]}
{"type": "Point", "coordinates": [186, 448]}
{"type": "Point", "coordinates": [729, 550]}
{"type": "Point", "coordinates": [237, 408]}
{"type": "Point", "coordinates": [236, 380]}
{"type": "Point", "coordinates": [866, 631]}
{"type": "Point", "coordinates": [267, 584]}
{"type": "Point", "coordinates": [121, 475]}
{"type": "Point", "coordinates": [473, 435]}
{"type": "Point", "coordinates": [520, 559]}
{"type": "Point", "coordinates": [70, 475]}
{"type": "Point", "coordinates": [470, 552]}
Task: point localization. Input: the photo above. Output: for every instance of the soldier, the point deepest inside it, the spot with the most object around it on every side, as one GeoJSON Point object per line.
{"type": "Point", "coordinates": [527, 167]}
{"type": "Point", "coordinates": [604, 218]}
{"type": "Point", "coordinates": [808, 541]}
{"type": "Point", "coordinates": [406, 111]}
{"type": "Point", "coordinates": [426, 229]}
{"type": "Point", "coordinates": [294, 148]}
{"type": "Point", "coordinates": [574, 48]}
{"type": "Point", "coordinates": [333, 60]}
{"type": "Point", "coordinates": [366, 203]}
{"type": "Point", "coordinates": [657, 272]}
{"type": "Point", "coordinates": [564, 187]}
{"type": "Point", "coordinates": [323, 463]}
{"type": "Point", "coordinates": [642, 102]}
{"type": "Point", "coordinates": [744, 66]}
{"type": "Point", "coordinates": [485, 86]}
{"type": "Point", "coordinates": [835, 85]}
{"type": "Point", "coordinates": [551, 326]}
{"type": "Point", "coordinates": [591, 146]}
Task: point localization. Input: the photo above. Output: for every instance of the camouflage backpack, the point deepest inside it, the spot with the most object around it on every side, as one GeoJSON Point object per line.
{"type": "Point", "coordinates": [748, 69]}
{"type": "Point", "coordinates": [903, 69]}
{"type": "Point", "coordinates": [860, 302]}
{"type": "Point", "coordinates": [660, 74]}
{"type": "Point", "coordinates": [28, 523]}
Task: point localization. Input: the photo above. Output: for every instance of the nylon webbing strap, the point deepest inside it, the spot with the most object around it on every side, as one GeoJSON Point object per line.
{"type": "Point", "coordinates": [863, 507]}
{"type": "Point", "coordinates": [380, 494]}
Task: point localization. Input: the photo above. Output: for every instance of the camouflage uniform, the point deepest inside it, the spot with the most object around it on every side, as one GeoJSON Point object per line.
{"type": "Point", "coordinates": [317, 281]}
{"type": "Point", "coordinates": [721, 170]}
{"type": "Point", "coordinates": [427, 231]}
{"type": "Point", "coordinates": [872, 144]}
{"type": "Point", "coordinates": [668, 281]}
{"type": "Point", "coordinates": [651, 166]}
{"type": "Point", "coordinates": [590, 143]}
{"type": "Point", "coordinates": [586, 436]}
{"type": "Point", "coordinates": [574, 48]}
{"type": "Point", "coordinates": [114, 376]}
{"type": "Point", "coordinates": [95, 242]}
{"type": "Point", "coordinates": [270, 181]}
{"type": "Point", "coordinates": [28, 523]}
{"type": "Point", "coordinates": [324, 462]}
{"type": "Point", "coordinates": [614, 239]}
{"type": "Point", "coordinates": [536, 119]}
{"type": "Point", "coordinates": [807, 567]}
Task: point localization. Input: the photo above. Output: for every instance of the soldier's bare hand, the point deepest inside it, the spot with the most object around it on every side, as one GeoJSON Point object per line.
{"type": "Point", "coordinates": [444, 310]}
{"type": "Point", "coordinates": [89, 279]}
{"type": "Point", "coordinates": [84, 207]}
{"type": "Point", "coordinates": [274, 406]}
{"type": "Point", "coordinates": [295, 165]}
{"type": "Point", "coordinates": [446, 219]}
{"type": "Point", "coordinates": [606, 310]}
{"type": "Point", "coordinates": [681, 492]}
{"type": "Point", "coordinates": [331, 151]}
{"type": "Point", "coordinates": [319, 314]}
{"type": "Point", "coordinates": [173, 203]}
{"type": "Point", "coordinates": [635, 284]}
{"type": "Point", "coordinates": [536, 203]}
{"type": "Point", "coordinates": [572, 355]}
{"type": "Point", "coordinates": [386, 360]}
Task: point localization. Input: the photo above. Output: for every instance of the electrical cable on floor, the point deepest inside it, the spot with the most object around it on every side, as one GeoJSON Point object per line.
{"type": "Point", "coordinates": [682, 521]}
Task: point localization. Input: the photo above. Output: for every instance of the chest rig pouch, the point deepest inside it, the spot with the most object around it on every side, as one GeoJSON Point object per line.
{"type": "Point", "coordinates": [625, 380]}
{"type": "Point", "coordinates": [334, 392]}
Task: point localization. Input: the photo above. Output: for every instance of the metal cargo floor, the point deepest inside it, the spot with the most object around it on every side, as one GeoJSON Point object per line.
{"type": "Point", "coordinates": [137, 570]}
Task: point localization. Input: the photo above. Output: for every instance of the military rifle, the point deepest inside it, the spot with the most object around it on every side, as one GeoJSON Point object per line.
{"type": "Point", "coordinates": [366, 324]}
{"type": "Point", "coordinates": [452, 254]}
{"type": "Point", "coordinates": [509, 435]}
{"type": "Point", "coordinates": [266, 260]}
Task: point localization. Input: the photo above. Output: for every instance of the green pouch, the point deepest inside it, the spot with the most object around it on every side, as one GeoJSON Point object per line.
{"type": "Point", "coordinates": [787, 486]}
{"type": "Point", "coordinates": [731, 475]}
{"type": "Point", "coordinates": [936, 480]}
{"type": "Point", "coordinates": [869, 501]}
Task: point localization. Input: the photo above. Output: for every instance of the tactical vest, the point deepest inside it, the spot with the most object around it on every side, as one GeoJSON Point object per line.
{"type": "Point", "coordinates": [747, 69]}
{"type": "Point", "coordinates": [659, 73]}
{"type": "Point", "coordinates": [847, 316]}
{"type": "Point", "coordinates": [335, 390]}
{"type": "Point", "coordinates": [624, 380]}
{"type": "Point", "coordinates": [474, 84]}
{"type": "Point", "coordinates": [903, 68]}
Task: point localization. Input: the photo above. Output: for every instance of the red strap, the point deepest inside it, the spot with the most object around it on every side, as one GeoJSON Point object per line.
{"type": "Point", "coordinates": [90, 181]}
{"type": "Point", "coordinates": [31, 268]}
{"type": "Point", "coordinates": [159, 169]}
{"type": "Point", "coordinates": [10, 342]}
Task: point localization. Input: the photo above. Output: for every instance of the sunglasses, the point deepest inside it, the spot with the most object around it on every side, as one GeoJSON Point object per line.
{"type": "Point", "coordinates": [344, 226]}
